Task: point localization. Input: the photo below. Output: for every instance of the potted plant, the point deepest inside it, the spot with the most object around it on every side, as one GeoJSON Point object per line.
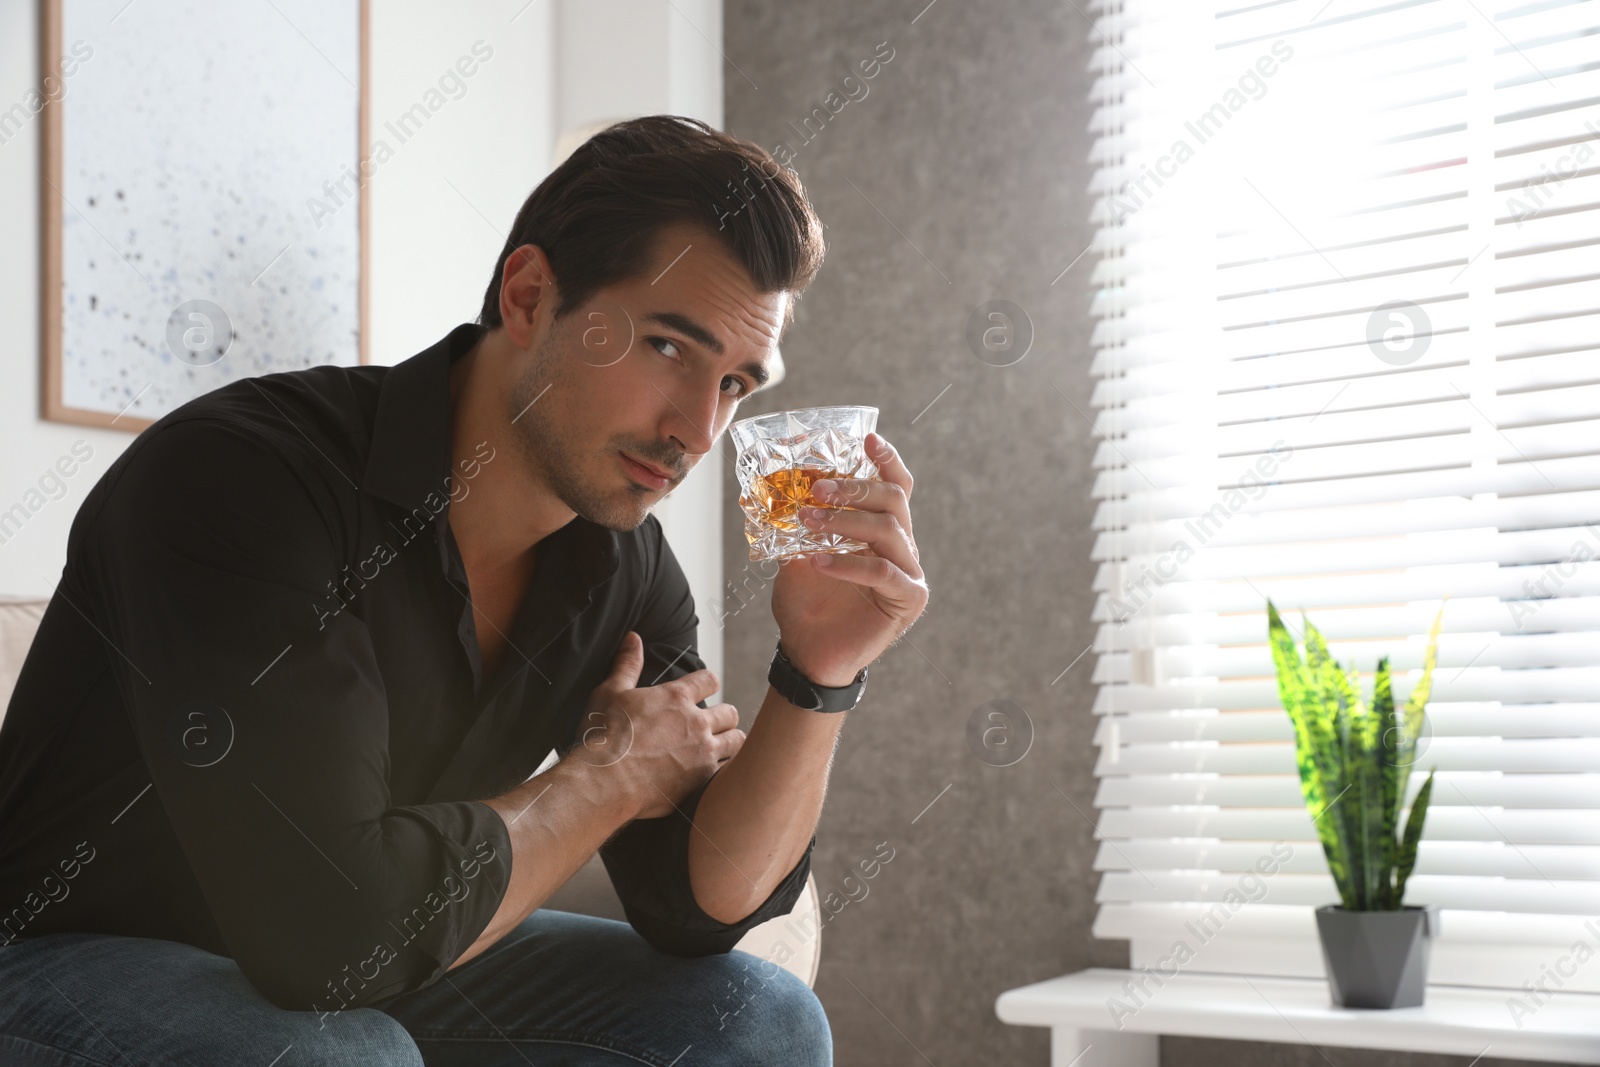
{"type": "Point", "coordinates": [1355, 763]}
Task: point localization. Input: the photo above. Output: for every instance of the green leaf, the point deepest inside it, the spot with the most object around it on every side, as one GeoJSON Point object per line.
{"type": "Point", "coordinates": [1424, 688]}
{"type": "Point", "coordinates": [1408, 848]}
{"type": "Point", "coordinates": [1395, 760]}
{"type": "Point", "coordinates": [1303, 704]}
{"type": "Point", "coordinates": [1411, 732]}
{"type": "Point", "coordinates": [1337, 753]}
{"type": "Point", "coordinates": [1368, 770]}
{"type": "Point", "coordinates": [1315, 757]}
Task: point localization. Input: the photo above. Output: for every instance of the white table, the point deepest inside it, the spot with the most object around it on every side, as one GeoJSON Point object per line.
{"type": "Point", "coordinates": [1455, 1019]}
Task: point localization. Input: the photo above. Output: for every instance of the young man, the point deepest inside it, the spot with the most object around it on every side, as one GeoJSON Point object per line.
{"type": "Point", "coordinates": [267, 782]}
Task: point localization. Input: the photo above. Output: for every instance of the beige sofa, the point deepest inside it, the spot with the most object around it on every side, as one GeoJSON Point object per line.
{"type": "Point", "coordinates": [589, 892]}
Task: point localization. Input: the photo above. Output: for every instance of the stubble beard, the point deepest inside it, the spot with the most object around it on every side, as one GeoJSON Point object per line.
{"type": "Point", "coordinates": [548, 458]}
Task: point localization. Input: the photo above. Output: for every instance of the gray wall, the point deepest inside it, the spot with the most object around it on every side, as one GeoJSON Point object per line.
{"type": "Point", "coordinates": [972, 143]}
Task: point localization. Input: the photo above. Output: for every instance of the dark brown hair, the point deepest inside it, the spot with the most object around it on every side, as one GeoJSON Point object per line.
{"type": "Point", "coordinates": [597, 214]}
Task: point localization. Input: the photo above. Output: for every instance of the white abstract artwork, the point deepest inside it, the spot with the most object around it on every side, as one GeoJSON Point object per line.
{"type": "Point", "coordinates": [190, 144]}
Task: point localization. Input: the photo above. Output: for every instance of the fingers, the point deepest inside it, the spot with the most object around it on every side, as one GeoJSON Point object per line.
{"type": "Point", "coordinates": [874, 572]}
{"type": "Point", "coordinates": [891, 468]}
{"type": "Point", "coordinates": [722, 717]}
{"type": "Point", "coordinates": [627, 664]}
{"type": "Point", "coordinates": [879, 530]}
{"type": "Point", "coordinates": [726, 737]}
{"type": "Point", "coordinates": [867, 494]}
{"type": "Point", "coordinates": [874, 511]}
{"type": "Point", "coordinates": [727, 744]}
{"type": "Point", "coordinates": [697, 685]}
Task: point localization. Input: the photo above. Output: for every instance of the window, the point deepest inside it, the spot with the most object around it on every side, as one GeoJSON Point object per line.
{"type": "Point", "coordinates": [1347, 355]}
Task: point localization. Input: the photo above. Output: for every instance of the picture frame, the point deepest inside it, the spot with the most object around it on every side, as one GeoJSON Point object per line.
{"type": "Point", "coordinates": [274, 131]}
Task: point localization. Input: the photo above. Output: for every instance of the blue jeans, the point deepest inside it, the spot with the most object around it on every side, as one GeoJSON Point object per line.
{"type": "Point", "coordinates": [560, 990]}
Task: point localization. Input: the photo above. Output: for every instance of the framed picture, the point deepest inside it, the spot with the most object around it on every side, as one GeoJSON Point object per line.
{"type": "Point", "coordinates": [203, 205]}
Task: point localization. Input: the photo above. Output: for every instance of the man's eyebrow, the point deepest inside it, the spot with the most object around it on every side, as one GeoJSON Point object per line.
{"type": "Point", "coordinates": [691, 329]}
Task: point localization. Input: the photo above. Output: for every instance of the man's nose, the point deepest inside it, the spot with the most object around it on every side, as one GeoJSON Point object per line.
{"type": "Point", "coordinates": [693, 422]}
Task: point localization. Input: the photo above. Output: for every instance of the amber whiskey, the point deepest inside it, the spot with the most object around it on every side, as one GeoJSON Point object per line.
{"type": "Point", "coordinates": [778, 497]}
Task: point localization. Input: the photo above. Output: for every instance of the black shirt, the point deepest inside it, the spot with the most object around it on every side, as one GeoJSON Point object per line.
{"type": "Point", "coordinates": [255, 717]}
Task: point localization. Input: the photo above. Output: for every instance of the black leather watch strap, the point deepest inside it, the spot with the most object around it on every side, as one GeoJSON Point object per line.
{"type": "Point", "coordinates": [802, 692]}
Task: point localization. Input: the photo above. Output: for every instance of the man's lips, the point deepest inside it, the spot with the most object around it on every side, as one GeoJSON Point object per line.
{"type": "Point", "coordinates": [650, 467]}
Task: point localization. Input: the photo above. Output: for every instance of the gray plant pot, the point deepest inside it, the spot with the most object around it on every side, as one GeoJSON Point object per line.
{"type": "Point", "coordinates": [1377, 959]}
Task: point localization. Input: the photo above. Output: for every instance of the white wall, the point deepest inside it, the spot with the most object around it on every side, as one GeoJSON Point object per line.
{"type": "Point", "coordinates": [440, 210]}
{"type": "Point", "coordinates": [441, 207]}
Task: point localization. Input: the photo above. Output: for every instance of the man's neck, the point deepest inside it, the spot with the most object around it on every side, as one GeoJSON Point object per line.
{"type": "Point", "coordinates": [504, 512]}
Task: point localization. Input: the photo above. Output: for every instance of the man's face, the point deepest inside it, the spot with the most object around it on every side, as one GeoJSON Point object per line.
{"type": "Point", "coordinates": [651, 369]}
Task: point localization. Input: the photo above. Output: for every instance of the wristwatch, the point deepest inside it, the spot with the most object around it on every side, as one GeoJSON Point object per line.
{"type": "Point", "coordinates": [802, 692]}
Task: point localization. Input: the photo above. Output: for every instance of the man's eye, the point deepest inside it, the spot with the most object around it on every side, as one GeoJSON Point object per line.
{"type": "Point", "coordinates": [674, 354]}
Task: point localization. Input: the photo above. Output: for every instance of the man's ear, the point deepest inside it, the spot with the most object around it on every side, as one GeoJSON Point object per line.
{"type": "Point", "coordinates": [527, 290]}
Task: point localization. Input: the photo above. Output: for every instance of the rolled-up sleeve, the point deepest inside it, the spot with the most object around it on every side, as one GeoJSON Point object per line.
{"type": "Point", "coordinates": [648, 860]}
{"type": "Point", "coordinates": [263, 720]}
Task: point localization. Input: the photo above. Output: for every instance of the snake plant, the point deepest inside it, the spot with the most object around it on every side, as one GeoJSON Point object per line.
{"type": "Point", "coordinates": [1354, 764]}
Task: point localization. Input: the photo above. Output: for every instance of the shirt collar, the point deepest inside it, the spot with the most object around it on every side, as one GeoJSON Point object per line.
{"type": "Point", "coordinates": [410, 454]}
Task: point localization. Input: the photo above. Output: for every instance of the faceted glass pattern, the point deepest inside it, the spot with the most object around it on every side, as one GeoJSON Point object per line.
{"type": "Point", "coordinates": [780, 455]}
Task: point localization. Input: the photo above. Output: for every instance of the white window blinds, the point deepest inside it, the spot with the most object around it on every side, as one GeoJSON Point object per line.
{"type": "Point", "coordinates": [1347, 355]}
